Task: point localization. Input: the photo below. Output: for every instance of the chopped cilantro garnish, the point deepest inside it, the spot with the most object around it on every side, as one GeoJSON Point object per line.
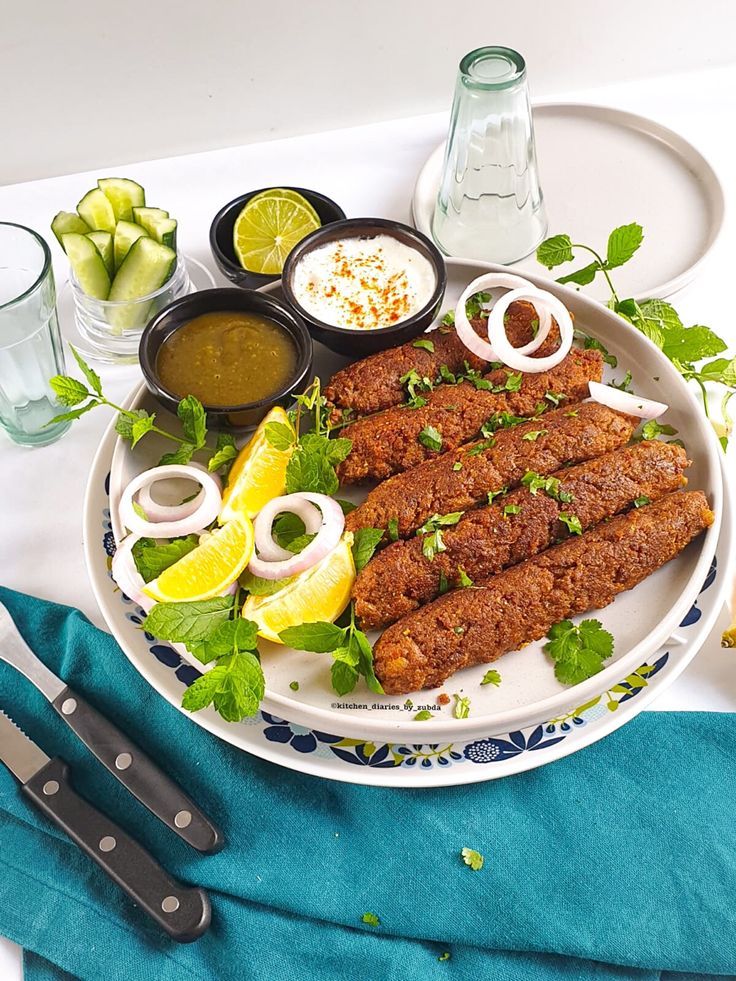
{"type": "Point", "coordinates": [511, 509]}
{"type": "Point", "coordinates": [457, 465]}
{"type": "Point", "coordinates": [550, 485]}
{"type": "Point", "coordinates": [578, 651]}
{"type": "Point", "coordinates": [534, 434]}
{"type": "Point", "coordinates": [501, 420]}
{"type": "Point", "coordinates": [432, 530]}
{"type": "Point", "coordinates": [393, 529]}
{"type": "Point", "coordinates": [445, 956]}
{"type": "Point", "coordinates": [423, 716]}
{"type": "Point", "coordinates": [481, 447]}
{"type": "Point", "coordinates": [624, 385]}
{"type": "Point", "coordinates": [424, 345]}
{"type": "Point", "coordinates": [463, 578]}
{"type": "Point", "coordinates": [555, 397]}
{"type": "Point", "coordinates": [498, 493]}
{"type": "Point", "coordinates": [491, 678]}
{"type": "Point", "coordinates": [572, 413]}
{"type": "Point", "coordinates": [652, 429]}
{"type": "Point", "coordinates": [461, 709]}
{"type": "Point", "coordinates": [572, 521]}
{"type": "Point", "coordinates": [371, 919]}
{"type": "Point", "coordinates": [472, 858]}
{"type": "Point", "coordinates": [458, 630]}
{"type": "Point", "coordinates": [443, 586]}
{"type": "Point", "coordinates": [639, 502]}
{"type": "Point", "coordinates": [294, 685]}
{"type": "Point", "coordinates": [431, 438]}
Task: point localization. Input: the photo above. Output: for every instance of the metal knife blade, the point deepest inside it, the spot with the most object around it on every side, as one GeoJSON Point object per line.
{"type": "Point", "coordinates": [123, 758]}
{"type": "Point", "coordinates": [15, 651]}
{"type": "Point", "coordinates": [182, 911]}
{"type": "Point", "coordinates": [19, 753]}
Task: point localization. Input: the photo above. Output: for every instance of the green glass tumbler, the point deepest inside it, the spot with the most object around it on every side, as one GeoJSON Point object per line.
{"type": "Point", "coordinates": [30, 342]}
{"type": "Point", "coordinates": [490, 204]}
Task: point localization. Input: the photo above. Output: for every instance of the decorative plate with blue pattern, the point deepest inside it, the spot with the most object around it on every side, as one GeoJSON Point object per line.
{"type": "Point", "coordinates": [338, 747]}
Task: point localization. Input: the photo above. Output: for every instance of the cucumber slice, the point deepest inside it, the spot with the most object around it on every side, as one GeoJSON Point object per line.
{"type": "Point", "coordinates": [123, 195]}
{"type": "Point", "coordinates": [146, 268]}
{"type": "Point", "coordinates": [97, 211]}
{"type": "Point", "coordinates": [88, 265]}
{"type": "Point", "coordinates": [67, 222]}
{"type": "Point", "coordinates": [158, 225]}
{"type": "Point", "coordinates": [103, 243]}
{"type": "Point", "coordinates": [126, 233]}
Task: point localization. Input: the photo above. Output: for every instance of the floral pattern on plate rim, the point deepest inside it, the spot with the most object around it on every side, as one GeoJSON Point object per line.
{"type": "Point", "coordinates": [361, 752]}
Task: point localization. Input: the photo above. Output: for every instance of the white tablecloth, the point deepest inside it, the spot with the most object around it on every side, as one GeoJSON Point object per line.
{"type": "Point", "coordinates": [369, 170]}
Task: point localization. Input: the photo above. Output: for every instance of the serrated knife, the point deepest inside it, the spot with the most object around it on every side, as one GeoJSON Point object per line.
{"type": "Point", "coordinates": [182, 911]}
{"type": "Point", "coordinates": [122, 757]}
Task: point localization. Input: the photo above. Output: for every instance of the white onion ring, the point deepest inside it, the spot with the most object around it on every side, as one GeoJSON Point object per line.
{"type": "Point", "coordinates": [633, 405]}
{"type": "Point", "coordinates": [483, 349]}
{"type": "Point", "coordinates": [299, 504]}
{"type": "Point", "coordinates": [126, 575]}
{"type": "Point", "coordinates": [155, 511]}
{"type": "Point", "coordinates": [206, 513]}
{"type": "Point", "coordinates": [329, 533]}
{"type": "Point", "coordinates": [512, 356]}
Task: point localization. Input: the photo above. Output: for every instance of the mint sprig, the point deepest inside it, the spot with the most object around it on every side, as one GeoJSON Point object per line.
{"type": "Point", "coordinates": [686, 347]}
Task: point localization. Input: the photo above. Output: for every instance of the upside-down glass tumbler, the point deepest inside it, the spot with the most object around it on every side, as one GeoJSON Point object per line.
{"type": "Point", "coordinates": [30, 343]}
{"type": "Point", "coordinates": [489, 204]}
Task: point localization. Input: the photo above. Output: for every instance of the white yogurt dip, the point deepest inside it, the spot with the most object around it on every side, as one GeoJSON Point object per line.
{"type": "Point", "coordinates": [363, 283]}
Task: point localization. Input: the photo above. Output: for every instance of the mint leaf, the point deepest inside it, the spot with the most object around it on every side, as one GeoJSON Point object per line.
{"type": "Point", "coordinates": [344, 677]}
{"type": "Point", "coordinates": [661, 312]}
{"type": "Point", "coordinates": [280, 436]}
{"type": "Point", "coordinates": [424, 344]}
{"type": "Point", "coordinates": [720, 370]}
{"type": "Point", "coordinates": [235, 686]}
{"type": "Point", "coordinates": [184, 622]}
{"type": "Point", "coordinates": [152, 559]}
{"type": "Point", "coordinates": [125, 422]}
{"type": "Point", "coordinates": [431, 438]}
{"type": "Point", "coordinates": [68, 390]}
{"type": "Point", "coordinates": [193, 420]}
{"type": "Point", "coordinates": [581, 277]}
{"type": "Point", "coordinates": [554, 251]}
{"type": "Point", "coordinates": [257, 586]}
{"type": "Point", "coordinates": [287, 528]}
{"type": "Point", "coordinates": [685, 344]}
{"type": "Point", "coordinates": [140, 427]}
{"type": "Point", "coordinates": [578, 651]}
{"type": "Point", "coordinates": [319, 638]}
{"type": "Point", "coordinates": [183, 454]}
{"type": "Point", "coordinates": [224, 454]}
{"type": "Point", "coordinates": [365, 660]}
{"type": "Point", "coordinates": [365, 543]}
{"type": "Point", "coordinates": [72, 414]}
{"type": "Point", "coordinates": [622, 244]}
{"type": "Point", "coordinates": [92, 377]}
{"type": "Point", "coordinates": [594, 344]}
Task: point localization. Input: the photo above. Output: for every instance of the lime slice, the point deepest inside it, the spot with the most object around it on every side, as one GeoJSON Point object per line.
{"type": "Point", "coordinates": [284, 192]}
{"type": "Point", "coordinates": [266, 231]}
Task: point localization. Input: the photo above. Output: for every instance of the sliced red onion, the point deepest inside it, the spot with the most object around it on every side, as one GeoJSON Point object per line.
{"type": "Point", "coordinates": [302, 505]}
{"type": "Point", "coordinates": [632, 405]}
{"type": "Point", "coordinates": [471, 340]}
{"type": "Point", "coordinates": [328, 532]}
{"type": "Point", "coordinates": [126, 575]}
{"type": "Point", "coordinates": [155, 511]}
{"type": "Point", "coordinates": [515, 357]}
{"type": "Point", "coordinates": [205, 514]}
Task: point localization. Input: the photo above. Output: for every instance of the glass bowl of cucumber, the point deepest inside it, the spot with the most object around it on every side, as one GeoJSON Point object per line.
{"type": "Point", "coordinates": [125, 266]}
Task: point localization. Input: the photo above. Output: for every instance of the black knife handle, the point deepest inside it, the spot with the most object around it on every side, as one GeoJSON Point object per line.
{"type": "Point", "coordinates": [130, 765]}
{"type": "Point", "coordinates": [182, 911]}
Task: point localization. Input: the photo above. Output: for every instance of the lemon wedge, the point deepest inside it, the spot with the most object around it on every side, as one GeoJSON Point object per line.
{"type": "Point", "coordinates": [209, 568]}
{"type": "Point", "coordinates": [317, 594]}
{"type": "Point", "coordinates": [266, 231]}
{"type": "Point", "coordinates": [258, 474]}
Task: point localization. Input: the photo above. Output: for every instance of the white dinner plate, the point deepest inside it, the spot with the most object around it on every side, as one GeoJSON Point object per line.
{"type": "Point", "coordinates": [641, 621]}
{"type": "Point", "coordinates": [600, 168]}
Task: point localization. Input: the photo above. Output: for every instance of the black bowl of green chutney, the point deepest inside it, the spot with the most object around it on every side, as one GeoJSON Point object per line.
{"type": "Point", "coordinates": [238, 351]}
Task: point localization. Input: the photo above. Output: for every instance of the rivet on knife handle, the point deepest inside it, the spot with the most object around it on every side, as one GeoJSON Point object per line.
{"type": "Point", "coordinates": [182, 911]}
{"type": "Point", "coordinates": [142, 777]}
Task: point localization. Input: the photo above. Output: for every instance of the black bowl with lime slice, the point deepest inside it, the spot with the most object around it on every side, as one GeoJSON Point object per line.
{"type": "Point", "coordinates": [223, 225]}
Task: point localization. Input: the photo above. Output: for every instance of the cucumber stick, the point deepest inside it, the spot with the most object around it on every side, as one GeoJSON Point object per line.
{"type": "Point", "coordinates": [157, 223]}
{"type": "Point", "coordinates": [123, 195]}
{"type": "Point", "coordinates": [97, 211]}
{"type": "Point", "coordinates": [103, 242]}
{"type": "Point", "coordinates": [126, 233]}
{"type": "Point", "coordinates": [87, 264]}
{"type": "Point", "coordinates": [147, 266]}
{"type": "Point", "coordinates": [67, 222]}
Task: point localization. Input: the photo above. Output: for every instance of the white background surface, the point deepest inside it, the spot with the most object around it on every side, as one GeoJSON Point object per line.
{"type": "Point", "coordinates": [89, 85]}
{"type": "Point", "coordinates": [368, 170]}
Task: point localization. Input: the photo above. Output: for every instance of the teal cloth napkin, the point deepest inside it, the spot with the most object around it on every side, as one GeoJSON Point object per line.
{"type": "Point", "coordinates": [616, 863]}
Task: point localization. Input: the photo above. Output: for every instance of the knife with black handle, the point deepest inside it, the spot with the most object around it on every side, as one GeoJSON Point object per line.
{"type": "Point", "coordinates": [122, 757]}
{"type": "Point", "coordinates": [183, 912]}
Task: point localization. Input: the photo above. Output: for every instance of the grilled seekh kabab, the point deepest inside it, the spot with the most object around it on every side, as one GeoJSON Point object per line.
{"type": "Point", "coordinates": [519, 605]}
{"type": "Point", "coordinates": [406, 575]}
